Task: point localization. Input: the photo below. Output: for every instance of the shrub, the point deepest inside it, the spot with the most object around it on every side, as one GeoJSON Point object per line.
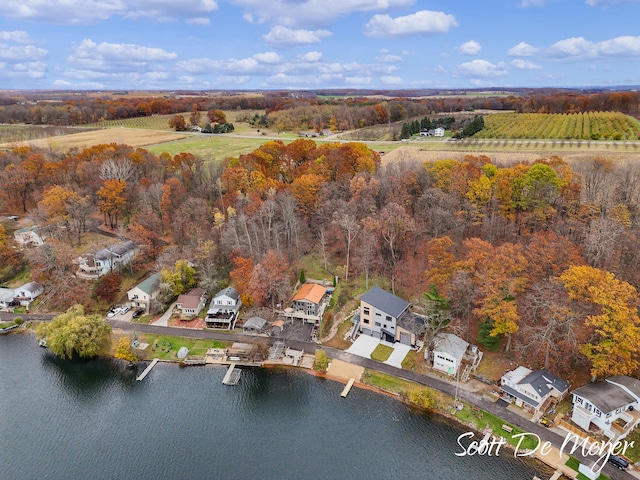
{"type": "Point", "coordinates": [18, 321]}
{"type": "Point", "coordinates": [322, 362]}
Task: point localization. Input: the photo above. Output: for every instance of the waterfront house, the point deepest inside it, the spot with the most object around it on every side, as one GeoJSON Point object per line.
{"type": "Point", "coordinates": [109, 259]}
{"type": "Point", "coordinates": [448, 352]}
{"type": "Point", "coordinates": [191, 303]}
{"type": "Point", "coordinates": [534, 390]}
{"type": "Point", "coordinates": [379, 313]}
{"type": "Point", "coordinates": [224, 309]}
{"type": "Point", "coordinates": [27, 293]}
{"type": "Point", "coordinates": [6, 297]}
{"type": "Point", "coordinates": [611, 406]}
{"type": "Point", "coordinates": [145, 292]}
{"type": "Point", "coordinates": [308, 304]}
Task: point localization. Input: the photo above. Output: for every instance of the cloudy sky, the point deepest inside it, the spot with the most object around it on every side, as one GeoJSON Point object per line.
{"type": "Point", "coordinates": [274, 44]}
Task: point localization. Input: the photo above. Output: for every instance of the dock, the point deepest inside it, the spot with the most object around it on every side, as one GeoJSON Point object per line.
{"type": "Point", "coordinates": [147, 370]}
{"type": "Point", "coordinates": [347, 387]}
{"type": "Point", "coordinates": [232, 377]}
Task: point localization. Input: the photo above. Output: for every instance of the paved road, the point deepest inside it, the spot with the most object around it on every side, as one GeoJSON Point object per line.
{"type": "Point", "coordinates": [449, 388]}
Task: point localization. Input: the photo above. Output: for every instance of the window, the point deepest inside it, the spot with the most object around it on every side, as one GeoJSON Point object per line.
{"type": "Point", "coordinates": [388, 318]}
{"type": "Point", "coordinates": [366, 321]}
{"type": "Point", "coordinates": [377, 324]}
{"type": "Point", "coordinates": [365, 310]}
{"type": "Point", "coordinates": [385, 325]}
{"type": "Point", "coordinates": [378, 314]}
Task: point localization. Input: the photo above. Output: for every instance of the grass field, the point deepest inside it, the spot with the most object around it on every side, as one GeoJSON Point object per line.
{"type": "Point", "coordinates": [210, 147]}
{"type": "Point", "coordinates": [129, 136]}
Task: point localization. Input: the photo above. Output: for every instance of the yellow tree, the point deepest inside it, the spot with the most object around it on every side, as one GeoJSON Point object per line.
{"type": "Point", "coordinates": [112, 200]}
{"type": "Point", "coordinates": [615, 345]}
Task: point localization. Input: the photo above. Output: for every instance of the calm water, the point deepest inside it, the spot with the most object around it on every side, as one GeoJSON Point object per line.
{"type": "Point", "coordinates": [92, 420]}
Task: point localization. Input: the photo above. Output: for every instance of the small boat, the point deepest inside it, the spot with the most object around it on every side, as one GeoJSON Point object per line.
{"type": "Point", "coordinates": [43, 342]}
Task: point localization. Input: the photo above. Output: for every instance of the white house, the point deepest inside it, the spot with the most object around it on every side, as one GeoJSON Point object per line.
{"type": "Point", "coordinates": [532, 389]}
{"type": "Point", "coordinates": [109, 259]}
{"type": "Point", "coordinates": [28, 292]}
{"type": "Point", "coordinates": [448, 352]}
{"type": "Point", "coordinates": [191, 303]}
{"type": "Point", "coordinates": [612, 405]}
{"type": "Point", "coordinates": [32, 236]}
{"type": "Point", "coordinates": [224, 309]}
{"type": "Point", "coordinates": [379, 313]}
{"type": "Point", "coordinates": [6, 297]}
{"type": "Point", "coordinates": [145, 292]}
{"type": "Point", "coordinates": [438, 132]}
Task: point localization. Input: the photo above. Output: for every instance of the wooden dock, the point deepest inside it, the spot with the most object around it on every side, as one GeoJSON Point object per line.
{"type": "Point", "coordinates": [347, 387]}
{"type": "Point", "coordinates": [232, 376]}
{"type": "Point", "coordinates": [147, 370]}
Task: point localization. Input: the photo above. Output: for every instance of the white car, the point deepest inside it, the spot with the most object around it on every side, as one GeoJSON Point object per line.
{"type": "Point", "coordinates": [113, 312]}
{"type": "Point", "coordinates": [124, 310]}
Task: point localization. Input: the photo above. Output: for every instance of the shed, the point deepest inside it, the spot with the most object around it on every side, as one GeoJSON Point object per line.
{"type": "Point", "coordinates": [254, 325]}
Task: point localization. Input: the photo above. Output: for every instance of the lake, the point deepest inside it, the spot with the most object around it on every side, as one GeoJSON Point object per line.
{"type": "Point", "coordinates": [93, 420]}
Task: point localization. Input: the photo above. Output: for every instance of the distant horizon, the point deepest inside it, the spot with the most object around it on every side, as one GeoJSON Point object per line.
{"type": "Point", "coordinates": [305, 45]}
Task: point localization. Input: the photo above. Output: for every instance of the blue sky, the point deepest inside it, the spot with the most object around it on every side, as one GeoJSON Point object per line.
{"type": "Point", "coordinates": [309, 44]}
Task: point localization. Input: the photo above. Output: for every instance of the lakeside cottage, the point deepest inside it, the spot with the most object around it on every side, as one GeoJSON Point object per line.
{"type": "Point", "coordinates": [145, 292]}
{"type": "Point", "coordinates": [6, 297]}
{"type": "Point", "coordinates": [27, 293]}
{"type": "Point", "coordinates": [611, 406]}
{"type": "Point", "coordinates": [533, 390]}
{"type": "Point", "coordinates": [191, 303]}
{"type": "Point", "coordinates": [224, 309]}
{"type": "Point", "coordinates": [308, 304]}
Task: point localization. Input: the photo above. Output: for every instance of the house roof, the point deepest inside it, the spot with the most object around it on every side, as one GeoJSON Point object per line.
{"type": "Point", "coordinates": [150, 284]}
{"type": "Point", "coordinates": [229, 292]}
{"type": "Point", "coordinates": [544, 381]}
{"type": "Point", "coordinates": [632, 384]}
{"type": "Point", "coordinates": [117, 250]}
{"type": "Point", "coordinates": [310, 292]}
{"type": "Point", "coordinates": [517, 375]}
{"type": "Point", "coordinates": [521, 396]}
{"type": "Point", "coordinates": [6, 294]}
{"type": "Point", "coordinates": [255, 323]}
{"type": "Point", "coordinates": [31, 287]}
{"type": "Point", "coordinates": [450, 344]}
{"type": "Point", "coordinates": [385, 301]}
{"type": "Point", "coordinates": [191, 299]}
{"type": "Point", "coordinates": [606, 396]}
{"type": "Point", "coordinates": [412, 322]}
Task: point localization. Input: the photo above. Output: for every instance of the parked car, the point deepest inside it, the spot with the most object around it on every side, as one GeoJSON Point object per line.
{"type": "Point", "coordinates": [113, 312]}
{"type": "Point", "coordinates": [138, 313]}
{"type": "Point", "coordinates": [618, 461]}
{"type": "Point", "coordinates": [124, 310]}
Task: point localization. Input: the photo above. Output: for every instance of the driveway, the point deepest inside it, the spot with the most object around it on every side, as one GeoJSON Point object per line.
{"type": "Point", "coordinates": [363, 346]}
{"type": "Point", "coordinates": [163, 321]}
{"type": "Point", "coordinates": [397, 356]}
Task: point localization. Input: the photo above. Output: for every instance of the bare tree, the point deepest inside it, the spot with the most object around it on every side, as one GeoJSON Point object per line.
{"type": "Point", "coordinates": [350, 228]}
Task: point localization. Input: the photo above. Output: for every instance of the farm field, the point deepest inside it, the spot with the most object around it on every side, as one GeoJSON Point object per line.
{"type": "Point", "coordinates": [129, 136]}
{"type": "Point", "coordinates": [212, 146]}
{"type": "Point", "coordinates": [161, 122]}
{"type": "Point", "coordinates": [22, 133]}
{"type": "Point", "coordinates": [572, 126]}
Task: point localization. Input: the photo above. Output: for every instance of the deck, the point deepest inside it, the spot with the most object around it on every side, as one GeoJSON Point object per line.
{"type": "Point", "coordinates": [147, 370]}
{"type": "Point", "coordinates": [232, 377]}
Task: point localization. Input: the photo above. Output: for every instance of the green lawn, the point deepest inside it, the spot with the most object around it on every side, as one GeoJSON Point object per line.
{"type": "Point", "coordinates": [214, 147]}
{"type": "Point", "coordinates": [158, 346]}
{"type": "Point", "coordinates": [381, 353]}
{"type": "Point", "coordinates": [388, 383]}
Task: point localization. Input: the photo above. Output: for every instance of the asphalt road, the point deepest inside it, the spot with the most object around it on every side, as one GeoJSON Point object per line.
{"type": "Point", "coordinates": [449, 388]}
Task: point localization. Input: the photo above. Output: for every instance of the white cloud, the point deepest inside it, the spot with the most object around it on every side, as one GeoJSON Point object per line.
{"type": "Point", "coordinates": [424, 22]}
{"type": "Point", "coordinates": [268, 57]}
{"type": "Point", "coordinates": [391, 80]}
{"type": "Point", "coordinates": [389, 58]}
{"type": "Point", "coordinates": [533, 3]}
{"type": "Point", "coordinates": [481, 68]}
{"type": "Point", "coordinates": [310, 57]}
{"type": "Point", "coordinates": [470, 48]}
{"type": "Point", "coordinates": [571, 47]}
{"type": "Point", "coordinates": [17, 36]}
{"type": "Point", "coordinates": [523, 49]}
{"type": "Point", "coordinates": [286, 37]}
{"type": "Point", "coordinates": [305, 13]}
{"type": "Point", "coordinates": [579, 48]}
{"type": "Point", "coordinates": [199, 21]}
{"type": "Point", "coordinates": [20, 53]}
{"type": "Point", "coordinates": [108, 56]}
{"type": "Point", "coordinates": [358, 80]}
{"type": "Point", "coordinates": [89, 11]}
{"type": "Point", "coordinates": [524, 64]}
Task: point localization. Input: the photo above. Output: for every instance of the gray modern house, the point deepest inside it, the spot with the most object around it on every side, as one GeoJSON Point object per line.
{"type": "Point", "coordinates": [379, 313]}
